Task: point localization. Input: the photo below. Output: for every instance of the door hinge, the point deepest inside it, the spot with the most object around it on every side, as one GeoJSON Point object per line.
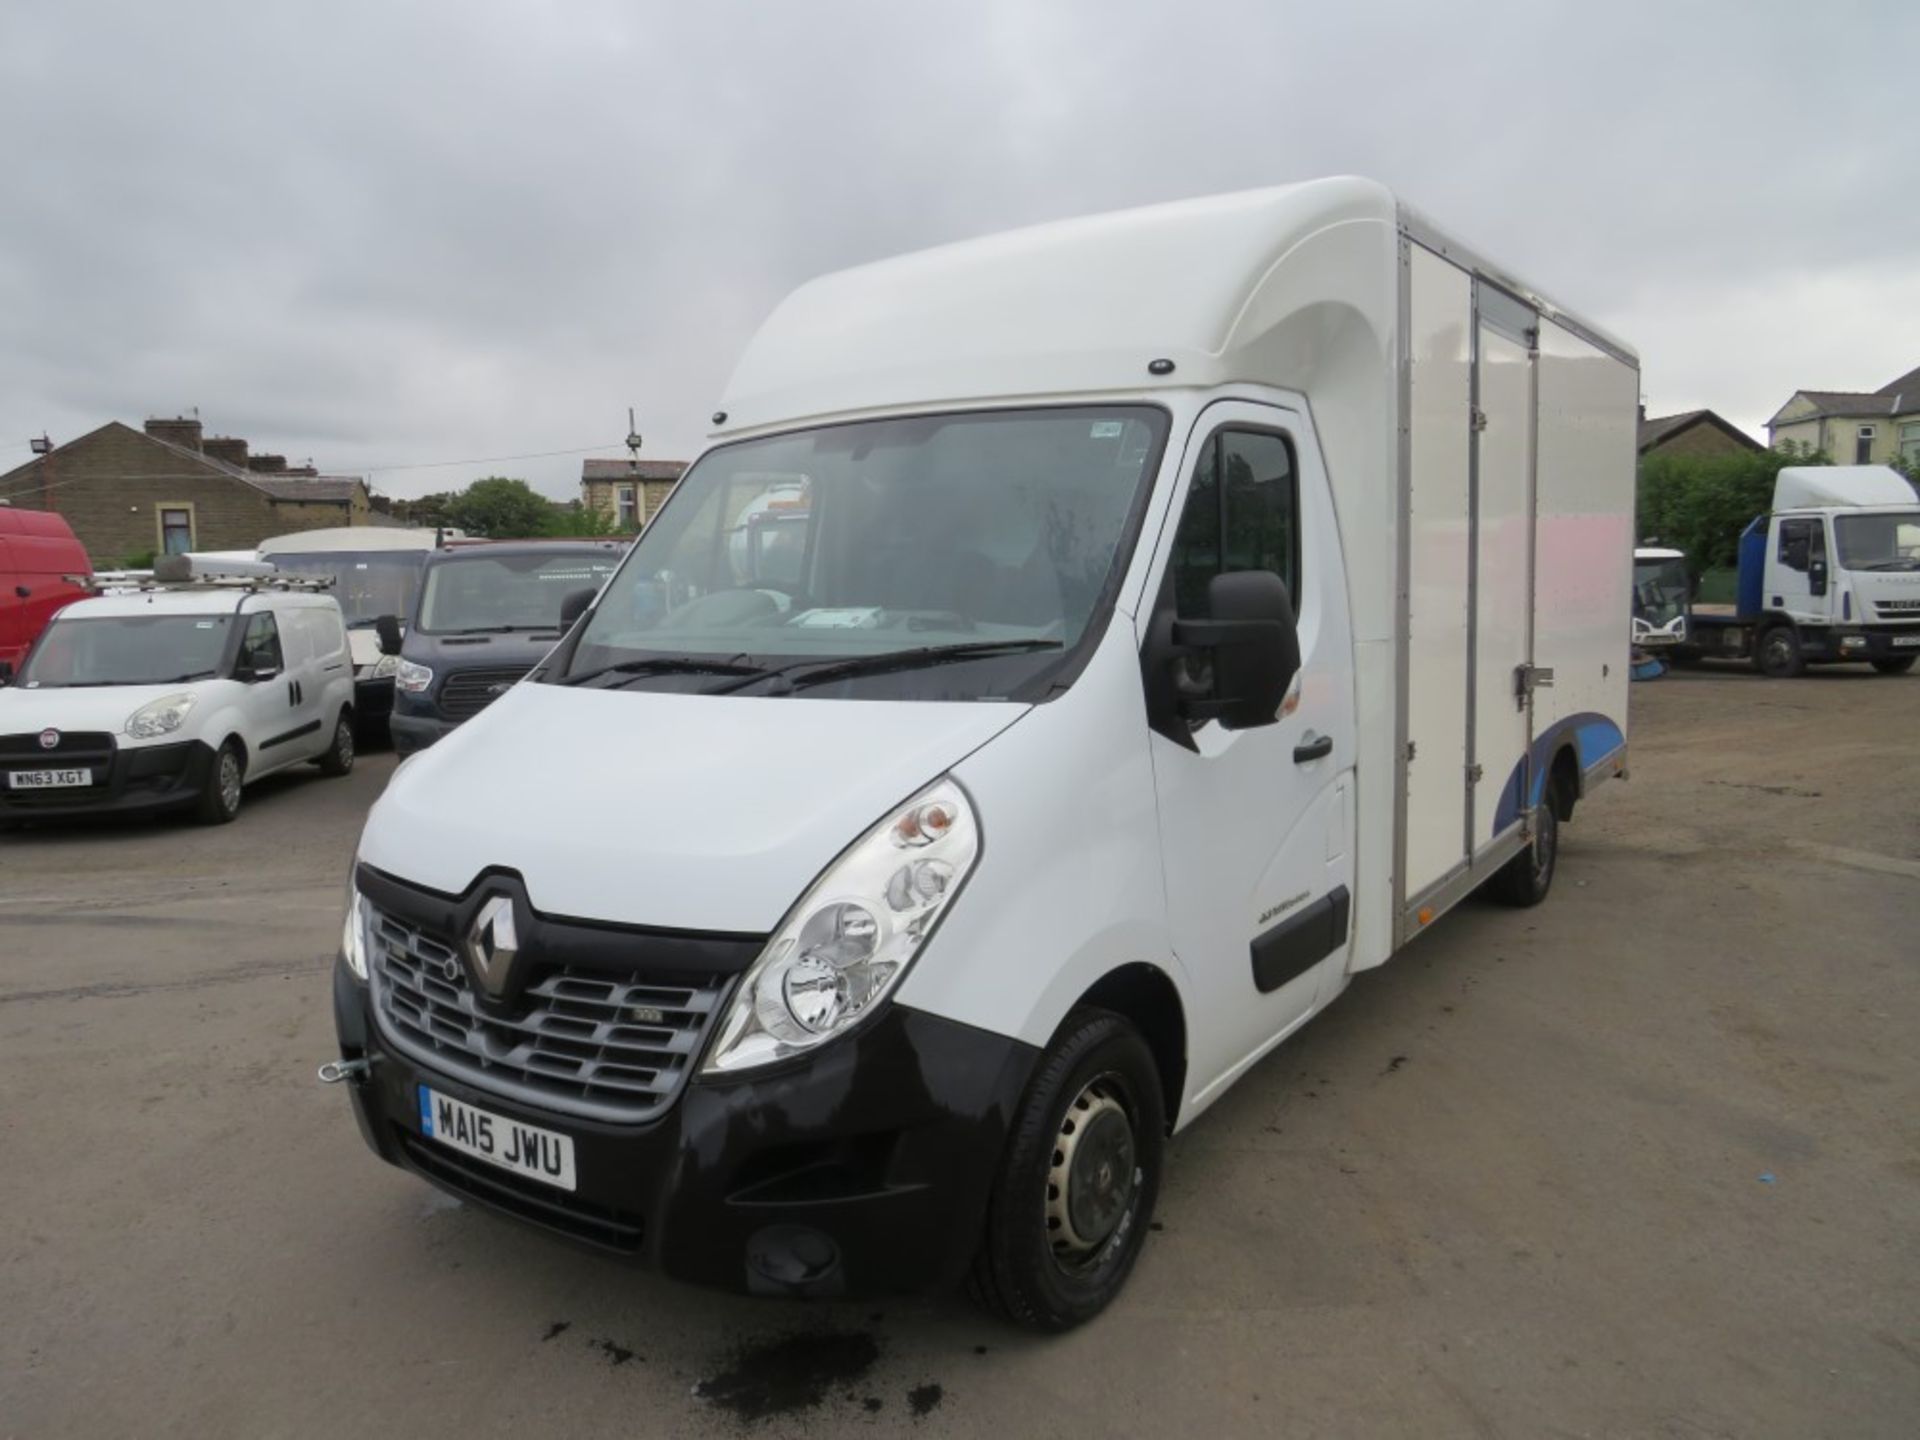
{"type": "Point", "coordinates": [1475, 774]}
{"type": "Point", "coordinates": [1411, 747]}
{"type": "Point", "coordinates": [1527, 679]}
{"type": "Point", "coordinates": [1479, 417]}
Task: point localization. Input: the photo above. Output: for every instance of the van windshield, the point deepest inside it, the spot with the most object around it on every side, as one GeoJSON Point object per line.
{"type": "Point", "coordinates": [127, 650]}
{"type": "Point", "coordinates": [367, 583]}
{"type": "Point", "coordinates": [1889, 541]}
{"type": "Point", "coordinates": [504, 590]}
{"type": "Point", "coordinates": [949, 557]}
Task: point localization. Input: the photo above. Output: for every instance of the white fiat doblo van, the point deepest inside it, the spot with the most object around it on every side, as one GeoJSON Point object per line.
{"type": "Point", "coordinates": [174, 694]}
{"type": "Point", "coordinates": [1078, 653]}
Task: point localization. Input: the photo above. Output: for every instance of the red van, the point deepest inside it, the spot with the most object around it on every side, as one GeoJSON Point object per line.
{"type": "Point", "coordinates": [42, 567]}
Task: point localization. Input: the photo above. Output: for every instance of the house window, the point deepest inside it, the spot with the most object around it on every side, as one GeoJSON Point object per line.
{"type": "Point", "coordinates": [1863, 446]}
{"type": "Point", "coordinates": [176, 529]}
{"type": "Point", "coordinates": [1910, 441]}
{"type": "Point", "coordinates": [627, 515]}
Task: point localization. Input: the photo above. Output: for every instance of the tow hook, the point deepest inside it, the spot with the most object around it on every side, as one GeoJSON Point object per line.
{"type": "Point", "coordinates": [334, 1071]}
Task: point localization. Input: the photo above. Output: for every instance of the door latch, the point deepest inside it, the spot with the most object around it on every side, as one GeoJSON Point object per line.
{"type": "Point", "coordinates": [1527, 679]}
{"type": "Point", "coordinates": [1479, 418]}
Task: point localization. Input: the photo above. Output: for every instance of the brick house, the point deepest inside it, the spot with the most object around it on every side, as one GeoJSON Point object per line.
{"type": "Point", "coordinates": [627, 492]}
{"type": "Point", "coordinates": [166, 487]}
{"type": "Point", "coordinates": [1854, 427]}
{"type": "Point", "coordinates": [1692, 432]}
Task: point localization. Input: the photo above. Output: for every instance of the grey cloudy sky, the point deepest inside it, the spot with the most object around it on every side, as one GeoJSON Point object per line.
{"type": "Point", "coordinates": [378, 234]}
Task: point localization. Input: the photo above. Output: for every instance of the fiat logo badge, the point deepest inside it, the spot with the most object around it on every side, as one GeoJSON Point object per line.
{"type": "Point", "coordinates": [49, 739]}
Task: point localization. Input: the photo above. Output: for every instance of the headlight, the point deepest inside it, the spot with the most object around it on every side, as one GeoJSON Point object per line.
{"type": "Point", "coordinates": [385, 666]}
{"type": "Point", "coordinates": [410, 677]}
{"type": "Point", "coordinates": [160, 717]}
{"type": "Point", "coordinates": [853, 934]}
{"type": "Point", "coordinates": [353, 934]}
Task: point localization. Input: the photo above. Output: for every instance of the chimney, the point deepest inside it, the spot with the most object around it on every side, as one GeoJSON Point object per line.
{"type": "Point", "coordinates": [229, 448]}
{"type": "Point", "coordinates": [178, 431]}
{"type": "Point", "coordinates": [267, 464]}
{"type": "Point", "coordinates": [304, 471]}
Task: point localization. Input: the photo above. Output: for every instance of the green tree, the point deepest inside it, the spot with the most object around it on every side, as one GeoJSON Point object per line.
{"type": "Point", "coordinates": [574, 520]}
{"type": "Point", "coordinates": [498, 508]}
{"type": "Point", "coordinates": [1701, 503]}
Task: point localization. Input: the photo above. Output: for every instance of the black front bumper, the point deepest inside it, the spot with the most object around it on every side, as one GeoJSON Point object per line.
{"type": "Point", "coordinates": [128, 780]}
{"type": "Point", "coordinates": [862, 1169]}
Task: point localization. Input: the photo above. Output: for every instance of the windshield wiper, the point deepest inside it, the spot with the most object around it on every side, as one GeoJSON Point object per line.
{"type": "Point", "coordinates": [667, 665]}
{"type": "Point", "coordinates": [494, 629]}
{"type": "Point", "coordinates": [821, 672]}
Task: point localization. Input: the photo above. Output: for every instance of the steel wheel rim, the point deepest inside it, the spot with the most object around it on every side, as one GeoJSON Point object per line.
{"type": "Point", "coordinates": [230, 780]}
{"type": "Point", "coordinates": [1094, 1178]}
{"type": "Point", "coordinates": [343, 743]}
{"type": "Point", "coordinates": [1779, 650]}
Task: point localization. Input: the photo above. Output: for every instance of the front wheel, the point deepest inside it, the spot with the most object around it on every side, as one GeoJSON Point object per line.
{"type": "Point", "coordinates": [1077, 1183]}
{"type": "Point", "coordinates": [338, 757]}
{"type": "Point", "coordinates": [219, 798]}
{"type": "Point", "coordinates": [1778, 654]}
{"type": "Point", "coordinates": [1895, 665]}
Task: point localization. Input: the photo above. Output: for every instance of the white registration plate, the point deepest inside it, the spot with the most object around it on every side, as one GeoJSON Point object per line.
{"type": "Point", "coordinates": [48, 779]}
{"type": "Point", "coordinates": [1906, 640]}
{"type": "Point", "coordinates": [527, 1150]}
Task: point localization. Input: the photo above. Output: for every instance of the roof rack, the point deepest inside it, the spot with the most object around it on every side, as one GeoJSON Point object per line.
{"type": "Point", "coordinates": [185, 573]}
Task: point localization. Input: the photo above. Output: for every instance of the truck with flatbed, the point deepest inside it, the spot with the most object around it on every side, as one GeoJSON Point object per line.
{"type": "Point", "coordinates": [1830, 574]}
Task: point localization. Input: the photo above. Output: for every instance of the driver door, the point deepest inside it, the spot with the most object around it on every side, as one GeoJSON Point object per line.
{"type": "Point", "coordinates": [1255, 824]}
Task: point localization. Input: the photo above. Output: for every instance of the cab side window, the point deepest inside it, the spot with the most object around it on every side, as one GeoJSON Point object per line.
{"type": "Point", "coordinates": [1802, 542]}
{"type": "Point", "coordinates": [260, 646]}
{"type": "Point", "coordinates": [1243, 513]}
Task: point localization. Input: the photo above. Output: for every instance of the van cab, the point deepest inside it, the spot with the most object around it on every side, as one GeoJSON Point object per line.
{"type": "Point", "coordinates": [1077, 653]}
{"type": "Point", "coordinates": [174, 697]}
{"type": "Point", "coordinates": [484, 614]}
{"type": "Point", "coordinates": [42, 567]}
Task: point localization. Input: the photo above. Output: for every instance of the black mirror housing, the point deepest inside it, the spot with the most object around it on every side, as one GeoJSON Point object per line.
{"type": "Point", "coordinates": [387, 629]}
{"type": "Point", "coordinates": [574, 606]}
{"type": "Point", "coordinates": [1254, 644]}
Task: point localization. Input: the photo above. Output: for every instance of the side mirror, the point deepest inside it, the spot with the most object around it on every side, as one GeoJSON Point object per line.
{"type": "Point", "coordinates": [6, 672]}
{"type": "Point", "coordinates": [1817, 577]}
{"type": "Point", "coordinates": [574, 606]}
{"type": "Point", "coordinates": [387, 629]}
{"type": "Point", "coordinates": [1254, 649]}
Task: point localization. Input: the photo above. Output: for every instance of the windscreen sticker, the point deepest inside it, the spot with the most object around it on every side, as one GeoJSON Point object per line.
{"type": "Point", "coordinates": [1107, 429]}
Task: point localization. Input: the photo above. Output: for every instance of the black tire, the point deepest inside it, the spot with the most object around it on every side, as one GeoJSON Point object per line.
{"type": "Point", "coordinates": [219, 798]}
{"type": "Point", "coordinates": [338, 758]}
{"type": "Point", "coordinates": [1895, 665]}
{"type": "Point", "coordinates": [1524, 881]}
{"type": "Point", "coordinates": [1054, 1254]}
{"type": "Point", "coordinates": [1777, 653]}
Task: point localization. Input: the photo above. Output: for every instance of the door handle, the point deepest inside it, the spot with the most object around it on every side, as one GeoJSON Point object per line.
{"type": "Point", "coordinates": [1312, 747]}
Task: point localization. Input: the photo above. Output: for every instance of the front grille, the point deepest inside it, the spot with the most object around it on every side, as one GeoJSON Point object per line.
{"type": "Point", "coordinates": [93, 749]}
{"type": "Point", "coordinates": [614, 1047]}
{"type": "Point", "coordinates": [1897, 607]}
{"type": "Point", "coordinates": [466, 693]}
{"type": "Point", "coordinates": [527, 1199]}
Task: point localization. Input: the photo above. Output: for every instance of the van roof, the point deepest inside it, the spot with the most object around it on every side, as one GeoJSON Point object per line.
{"type": "Point", "coordinates": [1242, 287]}
{"type": "Point", "coordinates": [45, 524]}
{"type": "Point", "coordinates": [348, 537]}
{"type": "Point", "coordinates": [198, 600]}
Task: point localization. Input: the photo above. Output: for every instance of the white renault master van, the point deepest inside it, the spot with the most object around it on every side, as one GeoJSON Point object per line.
{"type": "Point", "coordinates": [174, 695]}
{"type": "Point", "coordinates": [1077, 654]}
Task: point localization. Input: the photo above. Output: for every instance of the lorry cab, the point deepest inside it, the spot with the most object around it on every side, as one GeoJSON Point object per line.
{"type": "Point", "coordinates": [1075, 655]}
{"type": "Point", "coordinates": [42, 568]}
{"type": "Point", "coordinates": [483, 615]}
{"type": "Point", "coordinates": [174, 694]}
{"type": "Point", "coordinates": [1662, 596]}
{"type": "Point", "coordinates": [1832, 573]}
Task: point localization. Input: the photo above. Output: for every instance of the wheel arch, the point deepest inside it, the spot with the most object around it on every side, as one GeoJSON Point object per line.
{"type": "Point", "coordinates": [1145, 996]}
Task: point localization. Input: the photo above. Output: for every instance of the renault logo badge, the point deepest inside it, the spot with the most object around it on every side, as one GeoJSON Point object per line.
{"type": "Point", "coordinates": [492, 944]}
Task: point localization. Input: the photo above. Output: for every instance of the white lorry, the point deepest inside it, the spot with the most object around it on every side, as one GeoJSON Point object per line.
{"type": "Point", "coordinates": [1189, 605]}
{"type": "Point", "coordinates": [1831, 573]}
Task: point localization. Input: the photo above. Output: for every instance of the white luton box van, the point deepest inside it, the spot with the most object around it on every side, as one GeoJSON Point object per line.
{"type": "Point", "coordinates": [1077, 654]}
